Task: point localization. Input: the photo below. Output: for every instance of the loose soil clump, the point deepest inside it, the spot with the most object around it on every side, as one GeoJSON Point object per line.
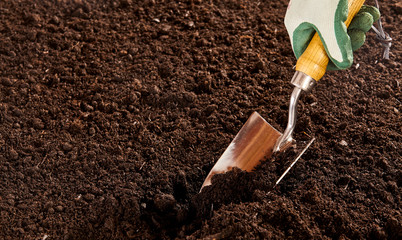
{"type": "Point", "coordinates": [112, 113]}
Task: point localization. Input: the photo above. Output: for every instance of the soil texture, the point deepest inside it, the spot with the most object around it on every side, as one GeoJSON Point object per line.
{"type": "Point", "coordinates": [113, 112]}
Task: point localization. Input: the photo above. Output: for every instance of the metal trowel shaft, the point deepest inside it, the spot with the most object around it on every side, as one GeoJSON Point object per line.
{"type": "Point", "coordinates": [302, 82]}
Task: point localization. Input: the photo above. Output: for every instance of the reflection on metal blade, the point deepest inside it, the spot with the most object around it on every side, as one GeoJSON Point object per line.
{"type": "Point", "coordinates": [253, 143]}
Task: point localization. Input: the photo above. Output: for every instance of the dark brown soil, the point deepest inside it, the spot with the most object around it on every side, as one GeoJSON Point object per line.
{"type": "Point", "coordinates": [113, 112]}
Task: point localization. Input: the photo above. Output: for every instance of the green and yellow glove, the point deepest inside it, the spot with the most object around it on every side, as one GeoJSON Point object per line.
{"type": "Point", "coordinates": [305, 17]}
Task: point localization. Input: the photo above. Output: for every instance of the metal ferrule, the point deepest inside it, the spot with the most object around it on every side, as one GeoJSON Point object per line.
{"type": "Point", "coordinates": [303, 81]}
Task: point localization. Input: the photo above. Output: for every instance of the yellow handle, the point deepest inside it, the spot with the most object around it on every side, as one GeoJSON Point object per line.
{"type": "Point", "coordinates": [314, 60]}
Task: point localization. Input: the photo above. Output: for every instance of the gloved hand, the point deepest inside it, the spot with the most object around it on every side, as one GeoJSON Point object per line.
{"type": "Point", "coordinates": [327, 17]}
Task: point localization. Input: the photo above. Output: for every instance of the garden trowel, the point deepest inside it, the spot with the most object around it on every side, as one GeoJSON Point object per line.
{"type": "Point", "coordinates": [258, 140]}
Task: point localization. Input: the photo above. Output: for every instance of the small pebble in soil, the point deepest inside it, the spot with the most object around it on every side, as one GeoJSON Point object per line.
{"type": "Point", "coordinates": [343, 143]}
{"type": "Point", "coordinates": [165, 29]}
{"type": "Point", "coordinates": [13, 154]}
{"type": "Point", "coordinates": [89, 197]}
{"type": "Point", "coordinates": [381, 67]}
{"type": "Point", "coordinates": [154, 90]}
{"type": "Point", "coordinates": [190, 24]}
{"type": "Point", "coordinates": [67, 147]}
{"type": "Point", "coordinates": [59, 208]}
{"type": "Point", "coordinates": [55, 20]}
{"type": "Point", "coordinates": [37, 123]}
{"type": "Point", "coordinates": [91, 131]}
{"type": "Point", "coordinates": [78, 197]}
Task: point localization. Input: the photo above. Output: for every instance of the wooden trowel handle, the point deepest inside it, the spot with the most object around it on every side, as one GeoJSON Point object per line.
{"type": "Point", "coordinates": [314, 60]}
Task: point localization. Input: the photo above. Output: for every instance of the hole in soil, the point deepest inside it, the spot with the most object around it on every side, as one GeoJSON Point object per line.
{"type": "Point", "coordinates": [180, 187]}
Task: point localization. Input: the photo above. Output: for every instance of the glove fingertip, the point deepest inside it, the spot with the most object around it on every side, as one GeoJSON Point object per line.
{"type": "Point", "coordinates": [362, 21]}
{"type": "Point", "coordinates": [357, 38]}
{"type": "Point", "coordinates": [373, 11]}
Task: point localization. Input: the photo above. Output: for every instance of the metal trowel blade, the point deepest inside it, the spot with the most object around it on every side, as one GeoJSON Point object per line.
{"type": "Point", "coordinates": [254, 142]}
